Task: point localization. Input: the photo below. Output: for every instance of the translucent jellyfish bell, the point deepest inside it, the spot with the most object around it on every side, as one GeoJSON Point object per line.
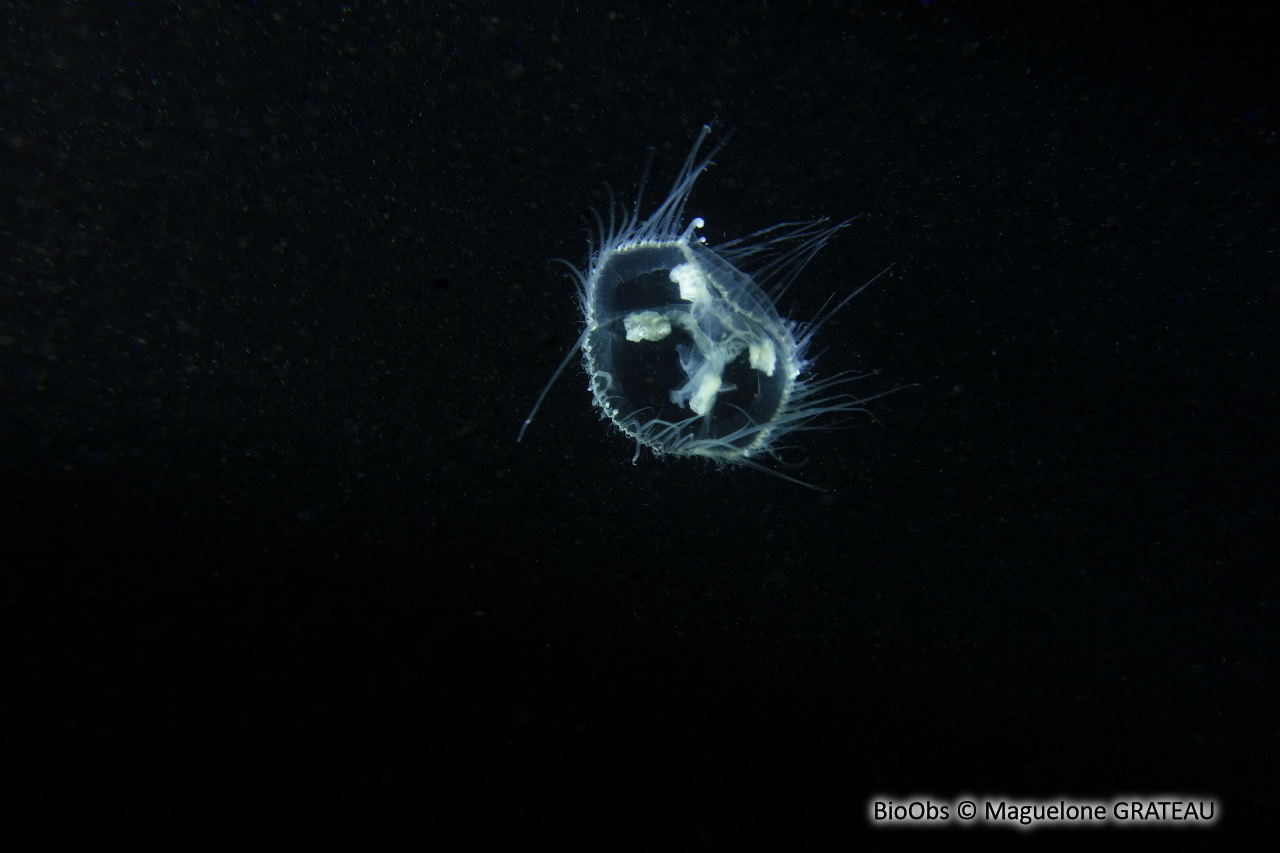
{"type": "Point", "coordinates": [684, 348]}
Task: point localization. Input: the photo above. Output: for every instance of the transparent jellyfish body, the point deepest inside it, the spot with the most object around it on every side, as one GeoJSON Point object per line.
{"type": "Point", "coordinates": [683, 344]}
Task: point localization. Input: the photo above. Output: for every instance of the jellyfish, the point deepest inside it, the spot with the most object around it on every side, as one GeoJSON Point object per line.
{"type": "Point", "coordinates": [685, 350]}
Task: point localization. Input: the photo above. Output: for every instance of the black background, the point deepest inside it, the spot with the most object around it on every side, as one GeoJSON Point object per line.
{"type": "Point", "coordinates": [275, 301]}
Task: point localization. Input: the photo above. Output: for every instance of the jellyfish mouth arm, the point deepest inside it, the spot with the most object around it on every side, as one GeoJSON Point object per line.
{"type": "Point", "coordinates": [577, 347]}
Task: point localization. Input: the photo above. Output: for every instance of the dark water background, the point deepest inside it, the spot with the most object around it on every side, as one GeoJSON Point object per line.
{"type": "Point", "coordinates": [275, 301]}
